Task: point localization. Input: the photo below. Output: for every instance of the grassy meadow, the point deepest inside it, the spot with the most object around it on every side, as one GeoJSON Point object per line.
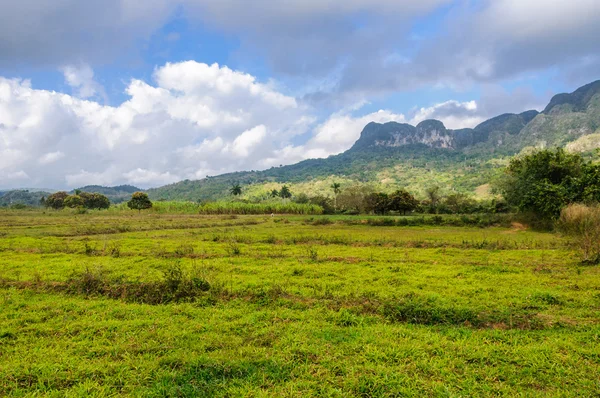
{"type": "Point", "coordinates": [156, 304]}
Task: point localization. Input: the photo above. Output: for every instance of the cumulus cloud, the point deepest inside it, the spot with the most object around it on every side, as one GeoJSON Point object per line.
{"type": "Point", "coordinates": [196, 120]}
{"type": "Point", "coordinates": [453, 114]}
{"type": "Point", "coordinates": [335, 135]}
{"type": "Point", "coordinates": [494, 100]}
{"type": "Point", "coordinates": [81, 79]}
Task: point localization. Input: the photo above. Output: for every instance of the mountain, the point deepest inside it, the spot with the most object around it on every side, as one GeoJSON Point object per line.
{"type": "Point", "coordinates": [22, 197]}
{"type": "Point", "coordinates": [398, 155]}
{"type": "Point", "coordinates": [434, 134]}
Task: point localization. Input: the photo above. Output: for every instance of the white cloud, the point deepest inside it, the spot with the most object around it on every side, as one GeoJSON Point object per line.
{"type": "Point", "coordinates": [148, 177]}
{"type": "Point", "coordinates": [51, 157]}
{"type": "Point", "coordinates": [454, 114]}
{"type": "Point", "coordinates": [198, 119]}
{"type": "Point", "coordinates": [247, 141]}
{"type": "Point", "coordinates": [81, 79]}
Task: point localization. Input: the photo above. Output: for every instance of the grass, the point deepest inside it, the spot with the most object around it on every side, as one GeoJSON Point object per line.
{"type": "Point", "coordinates": [117, 303]}
{"type": "Point", "coordinates": [225, 207]}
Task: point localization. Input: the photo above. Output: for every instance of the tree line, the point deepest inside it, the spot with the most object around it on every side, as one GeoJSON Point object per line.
{"type": "Point", "coordinates": [91, 201]}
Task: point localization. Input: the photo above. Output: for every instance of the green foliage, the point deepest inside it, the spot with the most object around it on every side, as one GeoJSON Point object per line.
{"type": "Point", "coordinates": [24, 197]}
{"type": "Point", "coordinates": [236, 189]}
{"type": "Point", "coordinates": [352, 199]}
{"type": "Point", "coordinates": [323, 202]}
{"type": "Point", "coordinates": [302, 198]}
{"type": "Point", "coordinates": [285, 192]}
{"type": "Point", "coordinates": [377, 202]}
{"type": "Point", "coordinates": [258, 208]}
{"type": "Point", "coordinates": [73, 201]}
{"type": "Point", "coordinates": [139, 201]}
{"type": "Point", "coordinates": [546, 181]}
{"type": "Point", "coordinates": [402, 201]}
{"type": "Point", "coordinates": [56, 200]}
{"type": "Point", "coordinates": [95, 201]}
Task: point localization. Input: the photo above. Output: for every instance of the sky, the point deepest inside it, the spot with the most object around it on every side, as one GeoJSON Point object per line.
{"type": "Point", "coordinates": [153, 92]}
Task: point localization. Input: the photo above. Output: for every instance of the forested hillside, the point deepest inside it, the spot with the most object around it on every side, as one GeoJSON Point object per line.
{"type": "Point", "coordinates": [392, 155]}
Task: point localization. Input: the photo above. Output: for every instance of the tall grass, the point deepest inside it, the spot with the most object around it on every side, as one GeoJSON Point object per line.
{"type": "Point", "coordinates": [258, 208]}
{"type": "Point", "coordinates": [582, 224]}
{"type": "Point", "coordinates": [228, 208]}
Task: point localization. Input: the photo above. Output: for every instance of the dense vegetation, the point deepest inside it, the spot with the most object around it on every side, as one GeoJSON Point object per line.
{"type": "Point", "coordinates": [78, 200]}
{"type": "Point", "coordinates": [20, 198]}
{"type": "Point", "coordinates": [547, 181]}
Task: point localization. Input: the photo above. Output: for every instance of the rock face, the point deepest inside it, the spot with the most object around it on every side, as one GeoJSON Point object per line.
{"type": "Point", "coordinates": [433, 133]}
{"type": "Point", "coordinates": [567, 117]}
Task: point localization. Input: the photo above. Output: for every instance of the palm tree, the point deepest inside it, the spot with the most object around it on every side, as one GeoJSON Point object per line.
{"type": "Point", "coordinates": [285, 192]}
{"type": "Point", "coordinates": [236, 189]}
{"type": "Point", "coordinates": [336, 191]}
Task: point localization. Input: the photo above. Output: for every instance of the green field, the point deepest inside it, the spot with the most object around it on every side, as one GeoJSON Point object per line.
{"type": "Point", "coordinates": [94, 305]}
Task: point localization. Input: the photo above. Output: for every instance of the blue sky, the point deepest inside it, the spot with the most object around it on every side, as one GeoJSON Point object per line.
{"type": "Point", "coordinates": [148, 93]}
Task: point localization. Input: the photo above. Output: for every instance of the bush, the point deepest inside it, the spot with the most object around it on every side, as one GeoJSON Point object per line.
{"type": "Point", "coordinates": [582, 224]}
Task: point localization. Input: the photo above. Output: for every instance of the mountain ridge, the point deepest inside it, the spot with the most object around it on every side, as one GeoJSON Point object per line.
{"type": "Point", "coordinates": [408, 155]}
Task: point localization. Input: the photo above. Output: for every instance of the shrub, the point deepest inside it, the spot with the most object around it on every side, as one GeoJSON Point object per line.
{"type": "Point", "coordinates": [56, 200]}
{"type": "Point", "coordinates": [139, 201]}
{"type": "Point", "coordinates": [582, 224]}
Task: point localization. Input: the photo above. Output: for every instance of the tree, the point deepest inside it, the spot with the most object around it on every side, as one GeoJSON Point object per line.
{"type": "Point", "coordinates": [236, 189]}
{"type": "Point", "coordinates": [139, 201]}
{"type": "Point", "coordinates": [302, 198]}
{"type": "Point", "coordinates": [402, 201]}
{"type": "Point", "coordinates": [546, 181]}
{"type": "Point", "coordinates": [325, 203]}
{"type": "Point", "coordinates": [73, 201]}
{"type": "Point", "coordinates": [285, 192]}
{"type": "Point", "coordinates": [378, 203]}
{"type": "Point", "coordinates": [275, 193]}
{"type": "Point", "coordinates": [434, 196]}
{"type": "Point", "coordinates": [352, 199]}
{"type": "Point", "coordinates": [459, 203]}
{"type": "Point", "coordinates": [336, 191]}
{"type": "Point", "coordinates": [95, 201]}
{"type": "Point", "coordinates": [56, 200]}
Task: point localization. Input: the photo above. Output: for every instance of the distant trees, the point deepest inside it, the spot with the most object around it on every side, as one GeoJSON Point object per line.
{"type": "Point", "coordinates": [377, 202]}
{"type": "Point", "coordinates": [433, 195]}
{"type": "Point", "coordinates": [86, 200]}
{"type": "Point", "coordinates": [56, 200]}
{"type": "Point", "coordinates": [352, 199]}
{"type": "Point", "coordinates": [94, 200]}
{"type": "Point", "coordinates": [139, 201]}
{"type": "Point", "coordinates": [402, 201]}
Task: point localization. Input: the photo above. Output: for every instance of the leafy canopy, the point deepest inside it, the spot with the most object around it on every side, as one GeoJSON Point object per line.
{"type": "Point", "coordinates": [547, 181]}
{"type": "Point", "coordinates": [139, 201]}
